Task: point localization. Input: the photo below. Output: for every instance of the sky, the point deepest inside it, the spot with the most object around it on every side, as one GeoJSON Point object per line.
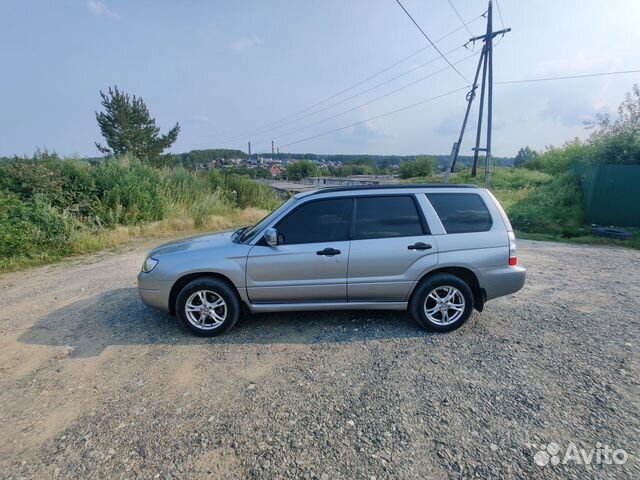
{"type": "Point", "coordinates": [228, 72]}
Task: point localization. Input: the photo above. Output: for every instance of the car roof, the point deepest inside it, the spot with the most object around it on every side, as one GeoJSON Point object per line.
{"type": "Point", "coordinates": [375, 188]}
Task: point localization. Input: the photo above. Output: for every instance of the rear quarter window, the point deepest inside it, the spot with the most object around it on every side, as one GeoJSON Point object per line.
{"type": "Point", "coordinates": [461, 212]}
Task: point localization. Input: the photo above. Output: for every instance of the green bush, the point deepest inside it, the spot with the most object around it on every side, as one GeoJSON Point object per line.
{"type": "Point", "coordinates": [66, 184]}
{"type": "Point", "coordinates": [505, 178]}
{"type": "Point", "coordinates": [558, 160]}
{"type": "Point", "coordinates": [79, 196]}
{"type": "Point", "coordinates": [555, 207]}
{"type": "Point", "coordinates": [31, 229]}
{"type": "Point", "coordinates": [420, 167]}
{"type": "Point", "coordinates": [44, 200]}
{"type": "Point", "coordinates": [128, 193]}
{"type": "Point", "coordinates": [242, 192]}
{"type": "Point", "coordinates": [617, 141]}
{"type": "Point", "coordinates": [183, 187]}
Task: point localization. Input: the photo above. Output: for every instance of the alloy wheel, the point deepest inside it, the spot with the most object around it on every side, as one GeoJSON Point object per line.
{"type": "Point", "coordinates": [444, 305]}
{"type": "Point", "coordinates": [205, 309]}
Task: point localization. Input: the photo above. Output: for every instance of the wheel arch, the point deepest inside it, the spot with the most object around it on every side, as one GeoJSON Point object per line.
{"type": "Point", "coordinates": [465, 274]}
{"type": "Point", "coordinates": [185, 279]}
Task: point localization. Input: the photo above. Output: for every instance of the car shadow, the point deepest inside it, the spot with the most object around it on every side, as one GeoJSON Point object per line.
{"type": "Point", "coordinates": [118, 317]}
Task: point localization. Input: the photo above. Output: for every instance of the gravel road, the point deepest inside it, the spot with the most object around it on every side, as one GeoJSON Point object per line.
{"type": "Point", "coordinates": [95, 385]}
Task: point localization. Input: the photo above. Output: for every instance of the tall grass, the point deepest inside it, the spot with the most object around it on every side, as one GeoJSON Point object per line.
{"type": "Point", "coordinates": [536, 202]}
{"type": "Point", "coordinates": [555, 207]}
{"type": "Point", "coordinates": [51, 208]}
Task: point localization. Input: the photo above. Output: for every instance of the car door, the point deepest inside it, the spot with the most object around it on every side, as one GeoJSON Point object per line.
{"type": "Point", "coordinates": [391, 246]}
{"type": "Point", "coordinates": [309, 264]}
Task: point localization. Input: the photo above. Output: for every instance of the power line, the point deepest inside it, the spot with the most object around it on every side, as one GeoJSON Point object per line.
{"type": "Point", "coordinates": [370, 89]}
{"type": "Point", "coordinates": [377, 85]}
{"type": "Point", "coordinates": [406, 107]}
{"type": "Point", "coordinates": [546, 79]}
{"type": "Point", "coordinates": [500, 14]}
{"type": "Point", "coordinates": [432, 44]}
{"type": "Point", "coordinates": [505, 82]}
{"type": "Point", "coordinates": [279, 123]}
{"type": "Point", "coordinates": [380, 97]}
{"type": "Point", "coordinates": [459, 17]}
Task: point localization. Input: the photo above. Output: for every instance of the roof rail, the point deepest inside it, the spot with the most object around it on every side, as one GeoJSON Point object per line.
{"type": "Point", "coordinates": [356, 188]}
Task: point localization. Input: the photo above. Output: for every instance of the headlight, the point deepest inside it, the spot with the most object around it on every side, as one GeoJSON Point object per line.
{"type": "Point", "coordinates": [149, 264]}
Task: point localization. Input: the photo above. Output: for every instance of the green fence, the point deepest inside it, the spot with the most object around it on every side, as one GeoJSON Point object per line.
{"type": "Point", "coordinates": [611, 194]}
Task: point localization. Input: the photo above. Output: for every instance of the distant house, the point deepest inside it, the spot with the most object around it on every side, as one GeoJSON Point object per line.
{"type": "Point", "coordinates": [275, 170]}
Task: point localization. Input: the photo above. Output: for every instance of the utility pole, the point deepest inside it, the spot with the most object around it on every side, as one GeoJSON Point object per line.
{"type": "Point", "coordinates": [489, 54]}
{"type": "Point", "coordinates": [486, 63]}
{"type": "Point", "coordinates": [447, 172]}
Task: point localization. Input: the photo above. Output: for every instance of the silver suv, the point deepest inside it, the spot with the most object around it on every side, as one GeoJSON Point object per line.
{"type": "Point", "coordinates": [437, 251]}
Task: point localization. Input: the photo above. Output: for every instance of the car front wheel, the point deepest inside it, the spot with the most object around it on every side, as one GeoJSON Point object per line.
{"type": "Point", "coordinates": [208, 306]}
{"type": "Point", "coordinates": [442, 303]}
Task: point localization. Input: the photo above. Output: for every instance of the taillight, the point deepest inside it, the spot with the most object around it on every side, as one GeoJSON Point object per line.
{"type": "Point", "coordinates": [513, 259]}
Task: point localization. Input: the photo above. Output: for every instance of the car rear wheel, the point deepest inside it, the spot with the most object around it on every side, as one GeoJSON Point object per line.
{"type": "Point", "coordinates": [442, 303]}
{"type": "Point", "coordinates": [208, 306]}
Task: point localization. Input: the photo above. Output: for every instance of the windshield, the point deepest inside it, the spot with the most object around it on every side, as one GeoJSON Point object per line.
{"type": "Point", "coordinates": [250, 232]}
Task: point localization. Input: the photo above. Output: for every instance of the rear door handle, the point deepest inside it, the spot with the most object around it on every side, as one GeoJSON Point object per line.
{"type": "Point", "coordinates": [419, 246]}
{"type": "Point", "coordinates": [328, 251]}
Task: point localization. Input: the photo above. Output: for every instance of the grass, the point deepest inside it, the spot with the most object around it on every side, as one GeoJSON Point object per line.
{"type": "Point", "coordinates": [51, 209]}
{"type": "Point", "coordinates": [86, 241]}
{"type": "Point", "coordinates": [583, 239]}
{"type": "Point", "coordinates": [541, 206]}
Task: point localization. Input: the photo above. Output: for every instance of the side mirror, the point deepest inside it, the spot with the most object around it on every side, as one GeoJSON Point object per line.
{"type": "Point", "coordinates": [271, 237]}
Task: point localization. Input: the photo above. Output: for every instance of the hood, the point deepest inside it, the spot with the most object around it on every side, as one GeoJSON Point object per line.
{"type": "Point", "coordinates": [197, 242]}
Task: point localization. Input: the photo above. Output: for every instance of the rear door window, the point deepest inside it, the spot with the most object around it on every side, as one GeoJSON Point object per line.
{"type": "Point", "coordinates": [386, 217]}
{"type": "Point", "coordinates": [461, 212]}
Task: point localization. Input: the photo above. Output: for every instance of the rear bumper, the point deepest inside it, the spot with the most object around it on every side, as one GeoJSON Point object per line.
{"type": "Point", "coordinates": [154, 293]}
{"type": "Point", "coordinates": [498, 282]}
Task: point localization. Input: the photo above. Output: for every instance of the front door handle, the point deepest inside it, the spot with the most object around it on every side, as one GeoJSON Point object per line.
{"type": "Point", "coordinates": [419, 246]}
{"type": "Point", "coordinates": [328, 252]}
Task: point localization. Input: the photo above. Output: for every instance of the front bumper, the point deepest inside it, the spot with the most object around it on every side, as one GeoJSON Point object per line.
{"type": "Point", "coordinates": [154, 293]}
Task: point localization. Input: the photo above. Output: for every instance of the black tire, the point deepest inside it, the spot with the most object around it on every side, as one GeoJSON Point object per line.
{"type": "Point", "coordinates": [612, 232]}
{"type": "Point", "coordinates": [419, 299]}
{"type": "Point", "coordinates": [222, 289]}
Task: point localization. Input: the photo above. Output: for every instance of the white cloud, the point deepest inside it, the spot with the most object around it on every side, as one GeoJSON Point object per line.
{"type": "Point", "coordinates": [246, 42]}
{"type": "Point", "coordinates": [576, 65]}
{"type": "Point", "coordinates": [363, 133]}
{"type": "Point", "coordinates": [99, 9]}
{"type": "Point", "coordinates": [198, 119]}
{"type": "Point", "coordinates": [449, 126]}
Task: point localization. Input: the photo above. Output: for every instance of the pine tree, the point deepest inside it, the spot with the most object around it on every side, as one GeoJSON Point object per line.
{"type": "Point", "coordinates": [127, 127]}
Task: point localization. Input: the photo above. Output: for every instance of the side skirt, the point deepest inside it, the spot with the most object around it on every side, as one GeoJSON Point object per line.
{"type": "Point", "coordinates": [306, 307]}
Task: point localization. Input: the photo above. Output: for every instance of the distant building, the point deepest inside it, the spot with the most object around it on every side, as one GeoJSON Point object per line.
{"type": "Point", "coordinates": [351, 180]}
{"type": "Point", "coordinates": [275, 170]}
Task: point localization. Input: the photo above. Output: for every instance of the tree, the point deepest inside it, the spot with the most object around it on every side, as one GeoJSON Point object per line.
{"type": "Point", "coordinates": [422, 166]}
{"type": "Point", "coordinates": [127, 127]}
{"type": "Point", "coordinates": [617, 141]}
{"type": "Point", "coordinates": [524, 155]}
{"type": "Point", "coordinates": [556, 160]}
{"type": "Point", "coordinates": [301, 170]}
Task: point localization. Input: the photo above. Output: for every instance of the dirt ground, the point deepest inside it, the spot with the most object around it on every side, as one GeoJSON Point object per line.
{"type": "Point", "coordinates": [95, 385]}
